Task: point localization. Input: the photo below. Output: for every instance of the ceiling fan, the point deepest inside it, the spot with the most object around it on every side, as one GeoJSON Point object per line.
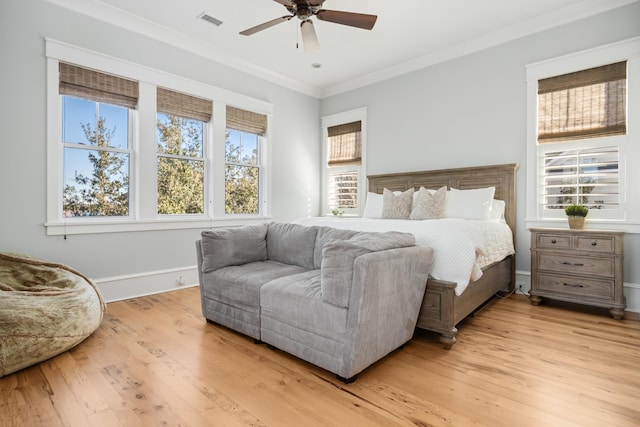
{"type": "Point", "coordinates": [304, 10]}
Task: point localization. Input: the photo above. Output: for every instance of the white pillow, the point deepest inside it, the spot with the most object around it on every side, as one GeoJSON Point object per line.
{"type": "Point", "coordinates": [373, 206]}
{"type": "Point", "coordinates": [497, 210]}
{"type": "Point", "coordinates": [470, 204]}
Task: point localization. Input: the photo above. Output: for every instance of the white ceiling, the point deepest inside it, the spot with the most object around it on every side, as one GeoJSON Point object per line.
{"type": "Point", "coordinates": [408, 35]}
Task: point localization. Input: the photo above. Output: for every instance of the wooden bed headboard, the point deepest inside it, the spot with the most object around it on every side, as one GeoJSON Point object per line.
{"type": "Point", "coordinates": [502, 177]}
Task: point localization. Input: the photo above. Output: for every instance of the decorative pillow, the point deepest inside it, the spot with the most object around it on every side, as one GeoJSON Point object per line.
{"type": "Point", "coordinates": [373, 206]}
{"type": "Point", "coordinates": [396, 206]}
{"type": "Point", "coordinates": [470, 204]}
{"type": "Point", "coordinates": [233, 246]}
{"type": "Point", "coordinates": [429, 204]}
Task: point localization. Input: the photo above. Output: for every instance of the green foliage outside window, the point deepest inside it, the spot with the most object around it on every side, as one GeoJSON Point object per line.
{"type": "Point", "coordinates": [241, 174]}
{"type": "Point", "coordinates": [105, 191]}
{"type": "Point", "coordinates": [180, 167]}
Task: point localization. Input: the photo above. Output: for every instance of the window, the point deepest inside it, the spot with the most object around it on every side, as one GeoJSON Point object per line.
{"type": "Point", "coordinates": [96, 142]}
{"type": "Point", "coordinates": [245, 130]}
{"type": "Point", "coordinates": [573, 107]}
{"type": "Point", "coordinates": [180, 147]}
{"type": "Point", "coordinates": [344, 176]}
{"type": "Point", "coordinates": [130, 148]}
{"type": "Point", "coordinates": [579, 136]}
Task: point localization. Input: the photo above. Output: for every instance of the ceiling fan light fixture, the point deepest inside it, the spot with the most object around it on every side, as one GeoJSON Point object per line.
{"type": "Point", "coordinates": [305, 9]}
{"type": "Point", "coordinates": [309, 38]}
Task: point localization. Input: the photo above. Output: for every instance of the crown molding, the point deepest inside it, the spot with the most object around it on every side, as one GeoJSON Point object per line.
{"type": "Point", "coordinates": [107, 13]}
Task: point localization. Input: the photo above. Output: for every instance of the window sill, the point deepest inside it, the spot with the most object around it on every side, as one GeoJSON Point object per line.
{"type": "Point", "coordinates": [631, 227]}
{"type": "Point", "coordinates": [124, 226]}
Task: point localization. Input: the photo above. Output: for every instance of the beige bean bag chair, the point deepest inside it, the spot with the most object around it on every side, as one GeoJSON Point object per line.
{"type": "Point", "coordinates": [45, 309]}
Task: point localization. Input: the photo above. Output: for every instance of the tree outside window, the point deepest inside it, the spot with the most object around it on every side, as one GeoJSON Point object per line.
{"type": "Point", "coordinates": [180, 165]}
{"type": "Point", "coordinates": [242, 173]}
{"type": "Point", "coordinates": [96, 158]}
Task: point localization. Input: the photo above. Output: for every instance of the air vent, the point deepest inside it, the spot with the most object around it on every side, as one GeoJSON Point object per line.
{"type": "Point", "coordinates": [206, 17]}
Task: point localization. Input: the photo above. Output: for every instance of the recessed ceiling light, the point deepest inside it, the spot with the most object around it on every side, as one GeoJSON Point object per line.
{"type": "Point", "coordinates": [316, 65]}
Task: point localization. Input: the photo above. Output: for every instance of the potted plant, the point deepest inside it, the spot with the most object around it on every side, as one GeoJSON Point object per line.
{"type": "Point", "coordinates": [575, 215]}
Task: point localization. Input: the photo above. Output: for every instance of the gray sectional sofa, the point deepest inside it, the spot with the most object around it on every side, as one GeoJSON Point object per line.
{"type": "Point", "coordinates": [339, 299]}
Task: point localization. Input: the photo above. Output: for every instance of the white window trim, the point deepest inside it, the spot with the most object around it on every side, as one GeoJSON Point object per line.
{"type": "Point", "coordinates": [143, 213]}
{"type": "Point", "coordinates": [629, 144]}
{"type": "Point", "coordinates": [359, 114]}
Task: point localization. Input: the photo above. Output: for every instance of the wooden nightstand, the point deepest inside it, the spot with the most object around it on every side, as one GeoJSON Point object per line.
{"type": "Point", "coordinates": [579, 266]}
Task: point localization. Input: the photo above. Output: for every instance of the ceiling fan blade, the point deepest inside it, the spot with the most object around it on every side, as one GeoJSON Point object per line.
{"type": "Point", "coordinates": [287, 3]}
{"type": "Point", "coordinates": [266, 25]}
{"type": "Point", "coordinates": [309, 38]}
{"type": "Point", "coordinates": [359, 20]}
{"type": "Point", "coordinates": [315, 3]}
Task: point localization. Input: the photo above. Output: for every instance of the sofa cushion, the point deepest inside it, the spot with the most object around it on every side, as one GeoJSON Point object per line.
{"type": "Point", "coordinates": [338, 257]}
{"type": "Point", "coordinates": [293, 307]}
{"type": "Point", "coordinates": [291, 244]}
{"type": "Point", "coordinates": [240, 285]}
{"type": "Point", "coordinates": [233, 246]}
{"type": "Point", "coordinates": [324, 235]}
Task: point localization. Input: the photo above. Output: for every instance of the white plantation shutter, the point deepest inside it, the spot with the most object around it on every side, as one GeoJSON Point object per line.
{"type": "Point", "coordinates": [582, 176]}
{"type": "Point", "coordinates": [343, 190]}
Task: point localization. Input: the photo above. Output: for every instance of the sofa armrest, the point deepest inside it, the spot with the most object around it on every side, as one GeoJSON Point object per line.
{"type": "Point", "coordinates": [338, 258]}
{"type": "Point", "coordinates": [386, 296]}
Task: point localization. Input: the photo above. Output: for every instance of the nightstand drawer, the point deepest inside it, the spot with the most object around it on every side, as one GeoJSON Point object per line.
{"type": "Point", "coordinates": [603, 267]}
{"type": "Point", "coordinates": [585, 288]}
{"type": "Point", "coordinates": [595, 244]}
{"type": "Point", "coordinates": [552, 241]}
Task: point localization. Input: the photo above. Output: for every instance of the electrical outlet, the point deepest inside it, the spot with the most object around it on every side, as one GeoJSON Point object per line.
{"type": "Point", "coordinates": [181, 281]}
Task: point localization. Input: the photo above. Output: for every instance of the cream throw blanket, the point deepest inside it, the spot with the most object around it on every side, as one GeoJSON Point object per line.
{"type": "Point", "coordinates": [45, 309]}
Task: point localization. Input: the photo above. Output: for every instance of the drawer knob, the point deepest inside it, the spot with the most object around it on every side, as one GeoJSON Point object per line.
{"type": "Point", "coordinates": [553, 241]}
{"type": "Point", "coordinates": [594, 243]}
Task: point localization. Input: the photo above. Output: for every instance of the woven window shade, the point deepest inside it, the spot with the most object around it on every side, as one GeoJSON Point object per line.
{"type": "Point", "coordinates": [180, 104]}
{"type": "Point", "coordinates": [345, 144]}
{"type": "Point", "coordinates": [585, 104]}
{"type": "Point", "coordinates": [84, 83]}
{"type": "Point", "coordinates": [246, 121]}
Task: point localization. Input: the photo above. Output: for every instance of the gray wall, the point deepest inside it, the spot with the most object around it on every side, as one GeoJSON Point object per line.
{"type": "Point", "coordinates": [472, 111]}
{"type": "Point", "coordinates": [467, 111]}
{"type": "Point", "coordinates": [23, 26]}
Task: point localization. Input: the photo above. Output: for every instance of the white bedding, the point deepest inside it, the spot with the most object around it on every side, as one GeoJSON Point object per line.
{"type": "Point", "coordinates": [462, 247]}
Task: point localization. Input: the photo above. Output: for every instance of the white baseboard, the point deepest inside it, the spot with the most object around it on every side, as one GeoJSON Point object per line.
{"type": "Point", "coordinates": [631, 290]}
{"type": "Point", "coordinates": [153, 282]}
{"type": "Point", "coordinates": [147, 283]}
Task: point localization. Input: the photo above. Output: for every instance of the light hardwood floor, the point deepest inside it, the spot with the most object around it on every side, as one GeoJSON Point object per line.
{"type": "Point", "coordinates": [155, 361]}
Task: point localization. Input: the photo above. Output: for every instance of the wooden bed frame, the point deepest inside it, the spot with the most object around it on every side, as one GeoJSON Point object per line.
{"type": "Point", "coordinates": [441, 308]}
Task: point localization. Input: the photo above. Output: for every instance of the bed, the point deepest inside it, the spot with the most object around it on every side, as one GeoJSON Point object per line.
{"type": "Point", "coordinates": [444, 304]}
